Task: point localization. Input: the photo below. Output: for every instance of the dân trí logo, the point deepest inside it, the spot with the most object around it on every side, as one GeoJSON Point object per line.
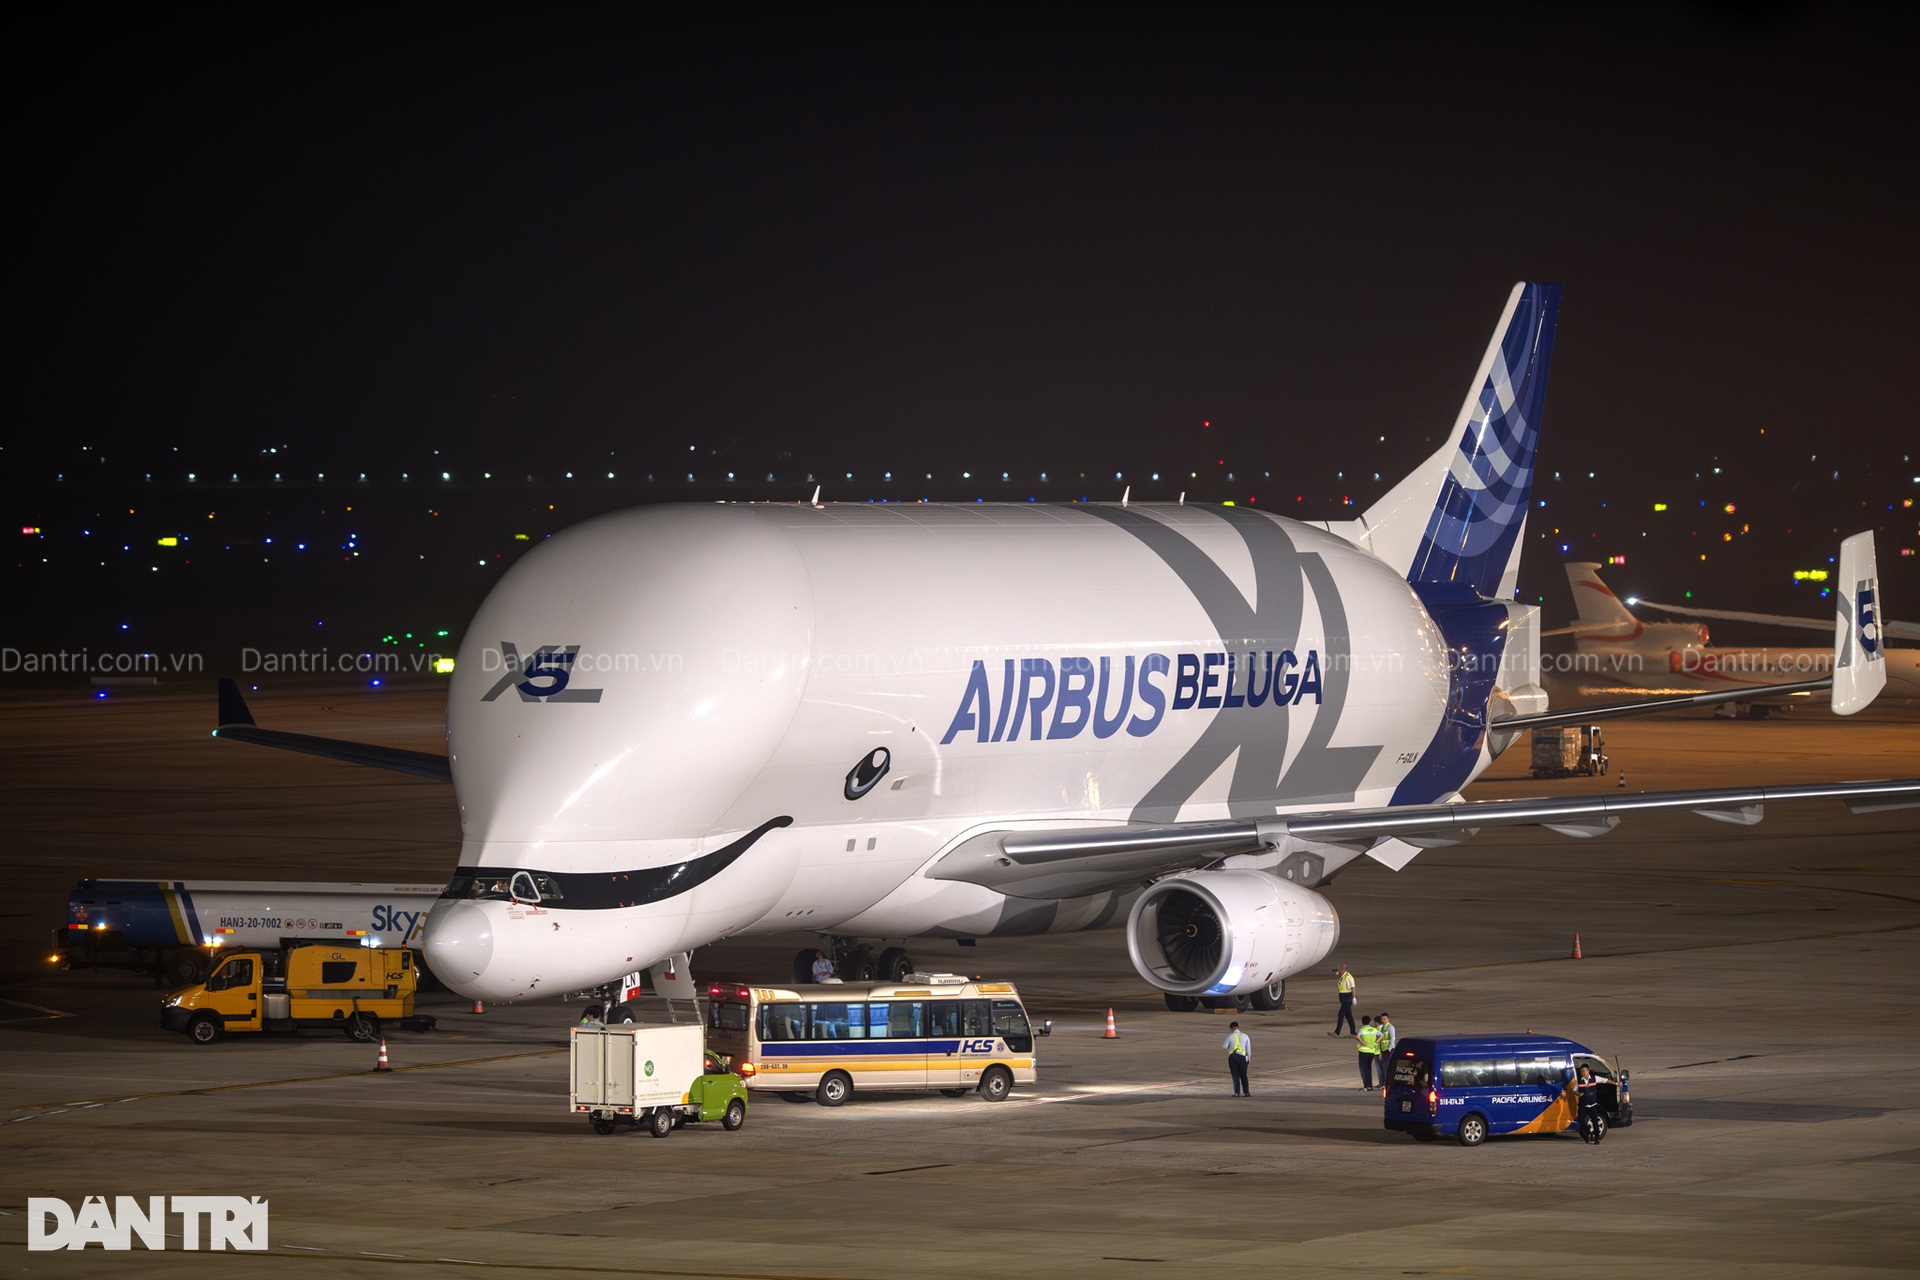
{"type": "Point", "coordinates": [204, 1222]}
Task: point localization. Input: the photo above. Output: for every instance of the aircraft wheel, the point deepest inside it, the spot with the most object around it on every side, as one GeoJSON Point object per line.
{"type": "Point", "coordinates": [895, 965]}
{"type": "Point", "coordinates": [858, 966]}
{"type": "Point", "coordinates": [204, 1029]}
{"type": "Point", "coordinates": [1182, 1004]}
{"type": "Point", "coordinates": [803, 965]}
{"type": "Point", "coordinates": [735, 1117]}
{"type": "Point", "coordinates": [834, 1090]}
{"type": "Point", "coordinates": [1270, 997]}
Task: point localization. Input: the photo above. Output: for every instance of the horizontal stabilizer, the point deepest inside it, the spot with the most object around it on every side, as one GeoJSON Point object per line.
{"type": "Point", "coordinates": [1893, 630]}
{"type": "Point", "coordinates": [237, 725]}
{"type": "Point", "coordinates": [1647, 706]}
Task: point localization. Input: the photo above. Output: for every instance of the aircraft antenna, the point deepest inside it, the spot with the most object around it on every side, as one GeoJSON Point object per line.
{"type": "Point", "coordinates": [1183, 497]}
{"type": "Point", "coordinates": [816, 495]}
{"type": "Point", "coordinates": [1125, 494]}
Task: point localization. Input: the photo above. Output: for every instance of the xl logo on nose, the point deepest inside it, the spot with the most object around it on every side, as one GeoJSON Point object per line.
{"type": "Point", "coordinates": [541, 676]}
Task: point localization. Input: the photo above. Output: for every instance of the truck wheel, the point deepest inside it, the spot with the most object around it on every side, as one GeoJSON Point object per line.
{"type": "Point", "coordinates": [1473, 1130]}
{"type": "Point", "coordinates": [204, 1029]}
{"type": "Point", "coordinates": [736, 1115]}
{"type": "Point", "coordinates": [1182, 1004]}
{"type": "Point", "coordinates": [660, 1123]}
{"type": "Point", "coordinates": [996, 1084]}
{"type": "Point", "coordinates": [1270, 997]}
{"type": "Point", "coordinates": [363, 1028]}
{"type": "Point", "coordinates": [895, 965]}
{"type": "Point", "coordinates": [602, 1126]}
{"type": "Point", "coordinates": [835, 1088]}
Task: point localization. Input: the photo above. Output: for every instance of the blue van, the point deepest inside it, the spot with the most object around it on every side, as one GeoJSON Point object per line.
{"type": "Point", "coordinates": [1470, 1087]}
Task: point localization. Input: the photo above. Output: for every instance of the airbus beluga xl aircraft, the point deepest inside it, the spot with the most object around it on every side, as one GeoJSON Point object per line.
{"type": "Point", "coordinates": [683, 723]}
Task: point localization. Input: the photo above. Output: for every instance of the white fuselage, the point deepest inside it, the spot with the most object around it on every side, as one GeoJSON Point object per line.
{"type": "Point", "coordinates": [1021, 666]}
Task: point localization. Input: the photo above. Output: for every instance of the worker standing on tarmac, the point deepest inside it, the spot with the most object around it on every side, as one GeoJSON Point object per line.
{"type": "Point", "coordinates": [1389, 1036]}
{"type": "Point", "coordinates": [1239, 1053]}
{"type": "Point", "coordinates": [1369, 1039]}
{"type": "Point", "coordinates": [1344, 985]}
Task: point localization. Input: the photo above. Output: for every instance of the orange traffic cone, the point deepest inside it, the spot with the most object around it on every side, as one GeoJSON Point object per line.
{"type": "Point", "coordinates": [1576, 946]}
{"type": "Point", "coordinates": [383, 1064]}
{"type": "Point", "coordinates": [1112, 1034]}
{"type": "Point", "coordinates": [478, 1007]}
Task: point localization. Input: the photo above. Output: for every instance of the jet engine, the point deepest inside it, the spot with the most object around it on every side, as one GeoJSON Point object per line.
{"type": "Point", "coordinates": [1226, 933]}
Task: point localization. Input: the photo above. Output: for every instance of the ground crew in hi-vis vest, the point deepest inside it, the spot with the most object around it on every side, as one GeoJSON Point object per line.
{"type": "Point", "coordinates": [1344, 985]}
{"type": "Point", "coordinates": [1369, 1039]}
{"type": "Point", "coordinates": [1239, 1052]}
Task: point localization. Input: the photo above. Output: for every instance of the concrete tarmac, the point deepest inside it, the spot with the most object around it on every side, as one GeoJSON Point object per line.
{"type": "Point", "coordinates": [1759, 982]}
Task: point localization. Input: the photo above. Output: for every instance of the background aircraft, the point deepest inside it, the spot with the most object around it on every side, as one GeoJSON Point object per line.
{"type": "Point", "coordinates": [1679, 656]}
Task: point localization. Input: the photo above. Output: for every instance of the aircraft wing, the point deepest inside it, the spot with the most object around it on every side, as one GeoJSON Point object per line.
{"type": "Point", "coordinates": [236, 724]}
{"type": "Point", "coordinates": [1904, 630]}
{"type": "Point", "coordinates": [1073, 863]}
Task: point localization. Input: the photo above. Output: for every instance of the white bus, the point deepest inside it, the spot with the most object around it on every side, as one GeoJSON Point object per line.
{"type": "Point", "coordinates": [934, 1031]}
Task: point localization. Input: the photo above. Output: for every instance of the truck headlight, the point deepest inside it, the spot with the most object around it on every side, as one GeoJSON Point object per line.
{"type": "Point", "coordinates": [170, 1002]}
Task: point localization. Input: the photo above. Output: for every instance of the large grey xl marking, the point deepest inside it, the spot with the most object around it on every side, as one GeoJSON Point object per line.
{"type": "Point", "coordinates": [1320, 774]}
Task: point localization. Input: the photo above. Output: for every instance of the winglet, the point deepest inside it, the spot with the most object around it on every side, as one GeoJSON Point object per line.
{"type": "Point", "coordinates": [233, 707]}
{"type": "Point", "coordinates": [1859, 667]}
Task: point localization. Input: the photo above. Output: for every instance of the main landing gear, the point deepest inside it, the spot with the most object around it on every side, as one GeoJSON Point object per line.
{"type": "Point", "coordinates": [855, 961]}
{"type": "Point", "coordinates": [1266, 1000]}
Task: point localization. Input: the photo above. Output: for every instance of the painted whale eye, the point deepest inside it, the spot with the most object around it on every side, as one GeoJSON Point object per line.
{"type": "Point", "coordinates": [872, 767]}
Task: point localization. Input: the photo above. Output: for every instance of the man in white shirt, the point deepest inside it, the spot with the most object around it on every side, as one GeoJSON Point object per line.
{"type": "Point", "coordinates": [1239, 1053]}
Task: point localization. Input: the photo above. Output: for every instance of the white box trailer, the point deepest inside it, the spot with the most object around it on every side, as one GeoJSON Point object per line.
{"type": "Point", "coordinates": [628, 1073]}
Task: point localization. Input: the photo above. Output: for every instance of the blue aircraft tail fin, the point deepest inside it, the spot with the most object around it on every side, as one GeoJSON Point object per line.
{"type": "Point", "coordinates": [1458, 518]}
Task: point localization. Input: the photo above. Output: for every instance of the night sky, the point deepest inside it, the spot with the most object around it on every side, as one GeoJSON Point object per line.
{"type": "Point", "coordinates": [1206, 242]}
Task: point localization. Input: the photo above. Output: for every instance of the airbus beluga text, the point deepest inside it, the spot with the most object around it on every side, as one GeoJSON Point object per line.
{"type": "Point", "coordinates": [678, 724]}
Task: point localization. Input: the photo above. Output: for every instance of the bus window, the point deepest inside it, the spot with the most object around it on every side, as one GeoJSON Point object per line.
{"type": "Point", "coordinates": [1010, 1024]}
{"type": "Point", "coordinates": [976, 1018]}
{"type": "Point", "coordinates": [1410, 1071]}
{"type": "Point", "coordinates": [943, 1019]}
{"type": "Point", "coordinates": [779, 1022]}
{"type": "Point", "coordinates": [897, 1020]}
{"type": "Point", "coordinates": [1506, 1071]}
{"type": "Point", "coordinates": [829, 1021]}
{"type": "Point", "coordinates": [1466, 1073]}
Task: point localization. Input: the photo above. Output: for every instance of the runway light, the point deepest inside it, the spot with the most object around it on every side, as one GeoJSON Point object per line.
{"type": "Point", "coordinates": [375, 682]}
{"type": "Point", "coordinates": [1728, 508]}
{"type": "Point", "coordinates": [1659, 506]}
{"type": "Point", "coordinates": [168, 542]}
{"type": "Point", "coordinates": [443, 666]}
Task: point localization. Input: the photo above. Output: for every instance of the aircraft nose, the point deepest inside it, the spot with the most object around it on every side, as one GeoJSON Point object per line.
{"type": "Point", "coordinates": [459, 946]}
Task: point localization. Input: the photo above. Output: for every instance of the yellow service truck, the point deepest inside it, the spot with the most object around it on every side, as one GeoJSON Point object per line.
{"type": "Point", "coordinates": [358, 990]}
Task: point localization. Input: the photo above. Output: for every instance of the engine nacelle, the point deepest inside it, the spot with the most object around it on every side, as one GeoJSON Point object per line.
{"type": "Point", "coordinates": [1226, 933]}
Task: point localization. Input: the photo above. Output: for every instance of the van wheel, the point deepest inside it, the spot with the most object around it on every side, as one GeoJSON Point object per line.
{"type": "Point", "coordinates": [1473, 1130]}
{"type": "Point", "coordinates": [363, 1028]}
{"type": "Point", "coordinates": [955, 1093]}
{"type": "Point", "coordinates": [996, 1084]}
{"type": "Point", "coordinates": [835, 1088]}
{"type": "Point", "coordinates": [204, 1029]}
{"type": "Point", "coordinates": [1182, 1004]}
{"type": "Point", "coordinates": [797, 1095]}
{"type": "Point", "coordinates": [736, 1115]}
{"type": "Point", "coordinates": [1270, 997]}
